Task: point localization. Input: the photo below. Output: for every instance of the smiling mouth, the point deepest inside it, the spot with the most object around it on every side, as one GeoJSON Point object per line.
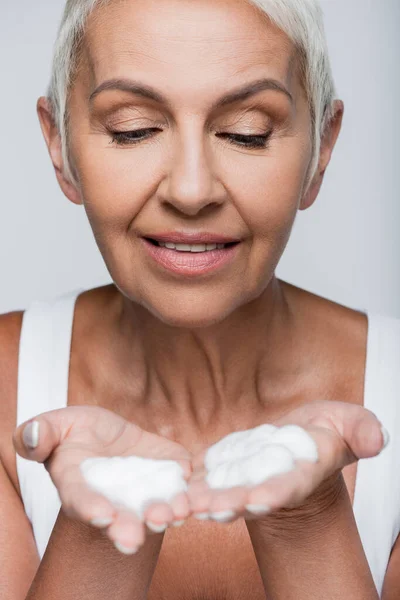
{"type": "Point", "coordinates": [194, 247]}
{"type": "Point", "coordinates": [190, 260]}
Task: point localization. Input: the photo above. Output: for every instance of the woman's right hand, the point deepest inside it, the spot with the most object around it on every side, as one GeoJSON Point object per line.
{"type": "Point", "coordinates": [67, 436]}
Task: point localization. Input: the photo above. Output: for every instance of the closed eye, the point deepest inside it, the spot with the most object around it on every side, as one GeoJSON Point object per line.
{"type": "Point", "coordinates": [125, 138]}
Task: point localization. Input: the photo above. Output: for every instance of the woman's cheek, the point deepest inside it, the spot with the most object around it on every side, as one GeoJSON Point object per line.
{"type": "Point", "coordinates": [109, 193]}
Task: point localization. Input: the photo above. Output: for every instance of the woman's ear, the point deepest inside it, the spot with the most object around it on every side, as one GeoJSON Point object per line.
{"type": "Point", "coordinates": [53, 142]}
{"type": "Point", "coordinates": [327, 145]}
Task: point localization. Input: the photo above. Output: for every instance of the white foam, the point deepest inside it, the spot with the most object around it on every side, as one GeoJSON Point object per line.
{"type": "Point", "coordinates": [133, 482]}
{"type": "Point", "coordinates": [241, 458]}
{"type": "Point", "coordinates": [253, 456]}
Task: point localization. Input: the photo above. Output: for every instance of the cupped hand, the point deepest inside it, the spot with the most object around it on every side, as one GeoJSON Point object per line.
{"type": "Point", "coordinates": [70, 435]}
{"type": "Point", "coordinates": [343, 434]}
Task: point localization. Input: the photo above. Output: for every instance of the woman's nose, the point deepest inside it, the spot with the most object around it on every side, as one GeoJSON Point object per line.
{"type": "Point", "coordinates": [191, 183]}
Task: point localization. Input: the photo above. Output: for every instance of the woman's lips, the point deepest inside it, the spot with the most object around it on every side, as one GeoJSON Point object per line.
{"type": "Point", "coordinates": [191, 263]}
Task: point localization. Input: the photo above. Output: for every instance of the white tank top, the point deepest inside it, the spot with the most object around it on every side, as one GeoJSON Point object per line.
{"type": "Point", "coordinates": [43, 370]}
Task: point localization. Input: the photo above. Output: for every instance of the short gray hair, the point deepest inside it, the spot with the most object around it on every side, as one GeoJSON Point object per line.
{"type": "Point", "coordinates": [301, 20]}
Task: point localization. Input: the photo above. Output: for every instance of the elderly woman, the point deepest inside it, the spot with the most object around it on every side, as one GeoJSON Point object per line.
{"type": "Point", "coordinates": [192, 132]}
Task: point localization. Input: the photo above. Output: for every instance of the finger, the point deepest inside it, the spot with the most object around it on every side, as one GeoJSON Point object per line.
{"type": "Point", "coordinates": [158, 516]}
{"type": "Point", "coordinates": [53, 427]}
{"type": "Point", "coordinates": [181, 508]}
{"type": "Point", "coordinates": [227, 501]}
{"type": "Point", "coordinates": [199, 495]}
{"type": "Point", "coordinates": [127, 532]}
{"type": "Point", "coordinates": [37, 438]}
{"type": "Point", "coordinates": [352, 436]}
{"type": "Point", "coordinates": [359, 428]}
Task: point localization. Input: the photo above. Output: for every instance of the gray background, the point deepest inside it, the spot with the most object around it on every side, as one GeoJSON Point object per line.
{"type": "Point", "coordinates": [346, 247]}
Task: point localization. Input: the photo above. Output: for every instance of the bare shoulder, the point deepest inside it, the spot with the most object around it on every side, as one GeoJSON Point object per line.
{"type": "Point", "coordinates": [327, 316]}
{"type": "Point", "coordinates": [335, 340]}
{"type": "Point", "coordinates": [10, 331]}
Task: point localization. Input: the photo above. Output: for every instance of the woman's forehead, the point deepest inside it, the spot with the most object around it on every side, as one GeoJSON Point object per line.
{"type": "Point", "coordinates": [190, 40]}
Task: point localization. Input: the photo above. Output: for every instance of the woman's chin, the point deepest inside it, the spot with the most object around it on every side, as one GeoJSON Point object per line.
{"type": "Point", "coordinates": [190, 315]}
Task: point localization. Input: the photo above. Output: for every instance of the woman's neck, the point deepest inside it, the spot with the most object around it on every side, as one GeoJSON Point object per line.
{"type": "Point", "coordinates": [200, 372]}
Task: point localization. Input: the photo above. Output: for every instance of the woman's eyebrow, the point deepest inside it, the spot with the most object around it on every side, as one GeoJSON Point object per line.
{"type": "Point", "coordinates": [146, 91]}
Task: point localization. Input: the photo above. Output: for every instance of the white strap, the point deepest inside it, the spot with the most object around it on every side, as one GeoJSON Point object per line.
{"type": "Point", "coordinates": [44, 352]}
{"type": "Point", "coordinates": [377, 497]}
{"type": "Point", "coordinates": [43, 369]}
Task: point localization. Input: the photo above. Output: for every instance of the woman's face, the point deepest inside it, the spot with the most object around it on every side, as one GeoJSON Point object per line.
{"type": "Point", "coordinates": [187, 174]}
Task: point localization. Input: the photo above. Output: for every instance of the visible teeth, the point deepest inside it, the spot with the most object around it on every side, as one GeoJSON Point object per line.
{"type": "Point", "coordinates": [191, 247]}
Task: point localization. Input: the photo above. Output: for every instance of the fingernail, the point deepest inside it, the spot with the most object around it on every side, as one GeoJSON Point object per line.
{"type": "Point", "coordinates": [30, 435]}
{"type": "Point", "coordinates": [155, 527]}
{"type": "Point", "coordinates": [178, 523]}
{"type": "Point", "coordinates": [257, 509]}
{"type": "Point", "coordinates": [124, 549]}
{"type": "Point", "coordinates": [385, 437]}
{"type": "Point", "coordinates": [101, 522]}
{"type": "Point", "coordinates": [222, 516]}
{"type": "Point", "coordinates": [201, 516]}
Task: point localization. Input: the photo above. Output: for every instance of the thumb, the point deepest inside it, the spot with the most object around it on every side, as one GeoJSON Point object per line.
{"type": "Point", "coordinates": [36, 439]}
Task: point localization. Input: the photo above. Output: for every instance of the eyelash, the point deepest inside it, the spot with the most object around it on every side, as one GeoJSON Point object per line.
{"type": "Point", "coordinates": [122, 138]}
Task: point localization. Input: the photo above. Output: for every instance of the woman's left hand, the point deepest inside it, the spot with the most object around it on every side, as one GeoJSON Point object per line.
{"type": "Point", "coordinates": [343, 433]}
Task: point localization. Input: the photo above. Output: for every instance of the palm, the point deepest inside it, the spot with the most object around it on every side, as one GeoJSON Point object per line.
{"type": "Point", "coordinates": [95, 431]}
{"type": "Point", "coordinates": [98, 432]}
{"type": "Point", "coordinates": [71, 435]}
{"type": "Point", "coordinates": [343, 433]}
